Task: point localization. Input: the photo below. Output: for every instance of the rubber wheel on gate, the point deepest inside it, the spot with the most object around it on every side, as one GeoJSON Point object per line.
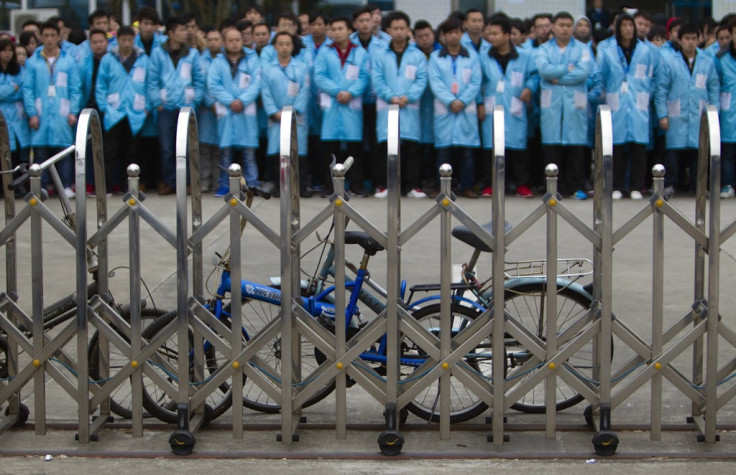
{"type": "Point", "coordinates": [464, 405]}
{"type": "Point", "coordinates": [121, 397]}
{"type": "Point", "coordinates": [156, 401]}
{"type": "Point", "coordinates": [257, 314]}
{"type": "Point", "coordinates": [526, 303]}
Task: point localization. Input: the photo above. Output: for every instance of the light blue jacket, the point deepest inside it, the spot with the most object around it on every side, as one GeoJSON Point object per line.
{"type": "Point", "coordinates": [426, 107]}
{"type": "Point", "coordinates": [564, 106]}
{"type": "Point", "coordinates": [11, 105]}
{"type": "Point", "coordinates": [206, 119]}
{"type": "Point", "coordinates": [158, 38]}
{"type": "Point", "coordinates": [459, 129]}
{"type": "Point", "coordinates": [174, 87]}
{"type": "Point", "coordinates": [629, 89]}
{"type": "Point", "coordinates": [285, 87]}
{"type": "Point", "coordinates": [52, 110]}
{"type": "Point", "coordinates": [726, 67]}
{"type": "Point", "coordinates": [390, 80]}
{"type": "Point", "coordinates": [86, 66]}
{"type": "Point", "coordinates": [376, 46]}
{"type": "Point", "coordinates": [681, 96]}
{"type": "Point", "coordinates": [122, 94]}
{"type": "Point", "coordinates": [468, 43]}
{"type": "Point", "coordinates": [236, 129]}
{"type": "Point", "coordinates": [314, 115]}
{"type": "Point", "coordinates": [342, 121]}
{"type": "Point", "coordinates": [504, 89]}
{"type": "Point", "coordinates": [713, 49]}
{"type": "Point", "coordinates": [268, 54]}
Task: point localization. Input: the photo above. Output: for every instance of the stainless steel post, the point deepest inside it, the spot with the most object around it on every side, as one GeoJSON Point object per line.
{"type": "Point", "coordinates": [658, 173]}
{"type": "Point", "coordinates": [338, 181]}
{"type": "Point", "coordinates": [39, 377]}
{"type": "Point", "coordinates": [236, 297]}
{"type": "Point", "coordinates": [550, 391]}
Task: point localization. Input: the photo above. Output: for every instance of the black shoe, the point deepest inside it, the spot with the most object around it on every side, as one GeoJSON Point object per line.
{"type": "Point", "coordinates": [305, 193]}
{"type": "Point", "coordinates": [358, 191]}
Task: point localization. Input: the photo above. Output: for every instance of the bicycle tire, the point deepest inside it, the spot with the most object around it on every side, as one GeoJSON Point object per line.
{"type": "Point", "coordinates": [526, 302]}
{"type": "Point", "coordinates": [4, 368]}
{"type": "Point", "coordinates": [121, 397]}
{"type": "Point", "coordinates": [464, 405]}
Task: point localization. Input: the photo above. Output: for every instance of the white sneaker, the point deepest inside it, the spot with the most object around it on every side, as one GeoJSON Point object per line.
{"type": "Point", "coordinates": [728, 192]}
{"type": "Point", "coordinates": [381, 192]}
{"type": "Point", "coordinates": [69, 193]}
{"type": "Point", "coordinates": [635, 195]}
{"type": "Point", "coordinates": [617, 195]}
{"type": "Point", "coordinates": [416, 193]}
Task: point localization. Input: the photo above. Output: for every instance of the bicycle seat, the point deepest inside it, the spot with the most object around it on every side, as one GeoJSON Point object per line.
{"type": "Point", "coordinates": [370, 245]}
{"type": "Point", "coordinates": [466, 235]}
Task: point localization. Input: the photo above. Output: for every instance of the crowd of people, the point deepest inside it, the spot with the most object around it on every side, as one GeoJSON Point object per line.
{"type": "Point", "coordinates": [340, 74]}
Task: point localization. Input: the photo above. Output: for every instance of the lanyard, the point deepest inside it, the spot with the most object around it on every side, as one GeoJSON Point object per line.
{"type": "Point", "coordinates": [454, 65]}
{"type": "Point", "coordinates": [622, 58]}
{"type": "Point", "coordinates": [283, 70]}
{"type": "Point", "coordinates": [51, 65]}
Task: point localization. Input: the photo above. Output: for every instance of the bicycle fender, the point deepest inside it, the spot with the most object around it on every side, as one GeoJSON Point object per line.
{"type": "Point", "coordinates": [455, 299]}
{"type": "Point", "coordinates": [522, 281]}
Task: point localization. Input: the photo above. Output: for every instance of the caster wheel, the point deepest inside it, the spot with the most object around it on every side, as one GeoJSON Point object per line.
{"type": "Point", "coordinates": [390, 442]}
{"type": "Point", "coordinates": [22, 415]}
{"type": "Point", "coordinates": [588, 414]}
{"type": "Point", "coordinates": [605, 443]}
{"type": "Point", "coordinates": [182, 442]}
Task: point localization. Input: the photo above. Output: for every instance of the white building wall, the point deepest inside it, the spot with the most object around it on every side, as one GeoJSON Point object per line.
{"type": "Point", "coordinates": [528, 8]}
{"type": "Point", "coordinates": [722, 8]}
{"type": "Point", "coordinates": [434, 11]}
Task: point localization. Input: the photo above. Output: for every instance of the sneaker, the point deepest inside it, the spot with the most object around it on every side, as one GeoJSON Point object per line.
{"type": "Point", "coordinates": [635, 195]}
{"type": "Point", "coordinates": [669, 192]}
{"type": "Point", "coordinates": [358, 190]}
{"type": "Point", "coordinates": [381, 192]}
{"type": "Point", "coordinates": [523, 191]}
{"type": "Point", "coordinates": [580, 195]}
{"type": "Point", "coordinates": [469, 194]}
{"type": "Point", "coordinates": [268, 187]}
{"type": "Point", "coordinates": [69, 193]}
{"type": "Point", "coordinates": [222, 191]}
{"type": "Point", "coordinates": [487, 192]}
{"type": "Point", "coordinates": [727, 192]}
{"type": "Point", "coordinates": [416, 193]}
{"type": "Point", "coordinates": [617, 195]}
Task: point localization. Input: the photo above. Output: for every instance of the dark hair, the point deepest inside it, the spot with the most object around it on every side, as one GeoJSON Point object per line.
{"type": "Point", "coordinates": [732, 24]}
{"type": "Point", "coordinates": [707, 23]}
{"type": "Point", "coordinates": [519, 25]}
{"type": "Point", "coordinates": [313, 17]}
{"type": "Point", "coordinates": [397, 15]}
{"type": "Point", "coordinates": [644, 14]}
{"type": "Point", "coordinates": [298, 45]}
{"type": "Point", "coordinates": [361, 10]}
{"type": "Point", "coordinates": [254, 6]}
{"type": "Point", "coordinates": [600, 34]}
{"type": "Point", "coordinates": [99, 13]}
{"type": "Point", "coordinates": [149, 13]}
{"type": "Point", "coordinates": [657, 30]}
{"type": "Point", "coordinates": [451, 24]}
{"type": "Point", "coordinates": [502, 21]}
{"type": "Point", "coordinates": [13, 65]}
{"type": "Point", "coordinates": [457, 14]}
{"type": "Point", "coordinates": [261, 24]}
{"type": "Point", "coordinates": [227, 23]}
{"type": "Point", "coordinates": [97, 31]}
{"type": "Point", "coordinates": [473, 10]}
{"type": "Point", "coordinates": [174, 22]}
{"type": "Point", "coordinates": [687, 29]}
{"type": "Point", "coordinates": [57, 19]}
{"type": "Point", "coordinates": [536, 17]}
{"type": "Point", "coordinates": [422, 24]}
{"type": "Point", "coordinates": [242, 25]}
{"type": "Point", "coordinates": [50, 25]}
{"type": "Point", "coordinates": [287, 16]}
{"type": "Point", "coordinates": [125, 30]}
{"type": "Point", "coordinates": [25, 38]}
{"type": "Point", "coordinates": [562, 16]}
{"type": "Point", "coordinates": [488, 19]}
{"type": "Point", "coordinates": [338, 19]}
{"type": "Point", "coordinates": [619, 21]}
{"type": "Point", "coordinates": [77, 35]}
{"type": "Point", "coordinates": [189, 16]}
{"type": "Point", "coordinates": [30, 22]}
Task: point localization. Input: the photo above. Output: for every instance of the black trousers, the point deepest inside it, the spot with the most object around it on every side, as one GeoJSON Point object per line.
{"type": "Point", "coordinates": [634, 154]}
{"type": "Point", "coordinates": [121, 149]}
{"type": "Point", "coordinates": [411, 165]}
{"type": "Point", "coordinates": [343, 150]}
{"type": "Point", "coordinates": [571, 161]}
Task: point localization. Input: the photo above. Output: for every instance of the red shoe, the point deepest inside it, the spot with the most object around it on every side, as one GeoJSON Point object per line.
{"type": "Point", "coordinates": [487, 192]}
{"type": "Point", "coordinates": [524, 192]}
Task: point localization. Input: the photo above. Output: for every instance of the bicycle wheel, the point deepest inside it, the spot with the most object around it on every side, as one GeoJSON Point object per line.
{"type": "Point", "coordinates": [527, 304]}
{"type": "Point", "coordinates": [464, 404]}
{"type": "Point", "coordinates": [157, 401]}
{"type": "Point", "coordinates": [121, 398]}
{"type": "Point", "coordinates": [4, 370]}
{"type": "Point", "coordinates": [256, 315]}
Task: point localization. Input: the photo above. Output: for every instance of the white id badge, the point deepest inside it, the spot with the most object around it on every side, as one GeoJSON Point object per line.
{"type": "Point", "coordinates": [65, 107]}
{"type": "Point", "coordinates": [351, 72]}
{"type": "Point", "coordinates": [52, 91]}
{"type": "Point", "coordinates": [186, 71]}
{"type": "Point", "coordinates": [113, 100]}
{"type": "Point", "coordinates": [325, 101]}
{"type": "Point", "coordinates": [139, 102]}
{"type": "Point", "coordinates": [62, 79]}
{"type": "Point", "coordinates": [244, 81]}
{"type": "Point", "coordinates": [641, 71]}
{"type": "Point", "coordinates": [500, 86]}
{"type": "Point", "coordinates": [250, 109]}
{"type": "Point", "coordinates": [517, 78]}
{"type": "Point", "coordinates": [624, 87]}
{"type": "Point", "coordinates": [642, 101]}
{"type": "Point", "coordinates": [292, 89]}
{"type": "Point", "coordinates": [220, 110]}
{"type": "Point", "coordinates": [189, 94]}
{"type": "Point", "coordinates": [612, 100]}
{"type": "Point", "coordinates": [410, 72]}
{"type": "Point", "coordinates": [139, 74]}
{"type": "Point", "coordinates": [725, 101]}
{"type": "Point", "coordinates": [700, 81]}
{"type": "Point", "coordinates": [163, 95]}
{"type": "Point", "coordinates": [517, 107]}
{"type": "Point", "coordinates": [467, 73]}
{"type": "Point", "coordinates": [581, 100]}
{"type": "Point", "coordinates": [545, 98]}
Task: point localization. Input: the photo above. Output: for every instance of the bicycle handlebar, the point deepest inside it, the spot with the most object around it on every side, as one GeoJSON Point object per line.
{"type": "Point", "coordinates": [25, 175]}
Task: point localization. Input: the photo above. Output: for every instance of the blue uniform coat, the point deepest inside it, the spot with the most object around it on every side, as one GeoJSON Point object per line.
{"type": "Point", "coordinates": [175, 87]}
{"type": "Point", "coordinates": [726, 67]}
{"type": "Point", "coordinates": [11, 105]}
{"type": "Point", "coordinates": [121, 94]}
{"type": "Point", "coordinates": [285, 87]}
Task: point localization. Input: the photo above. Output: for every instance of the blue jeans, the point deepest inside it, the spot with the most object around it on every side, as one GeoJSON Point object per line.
{"type": "Point", "coordinates": [462, 158]}
{"type": "Point", "coordinates": [728, 167]}
{"type": "Point", "coordinates": [167, 145]}
{"type": "Point", "coordinates": [65, 166]}
{"type": "Point", "coordinates": [246, 158]}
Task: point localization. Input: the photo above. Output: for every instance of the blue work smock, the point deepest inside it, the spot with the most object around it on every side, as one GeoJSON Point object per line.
{"type": "Point", "coordinates": [391, 80]}
{"type": "Point", "coordinates": [504, 88]}
{"type": "Point", "coordinates": [681, 96]}
{"type": "Point", "coordinates": [11, 105]}
{"type": "Point", "coordinates": [52, 94]}
{"type": "Point", "coordinates": [236, 129]}
{"type": "Point", "coordinates": [314, 115]}
{"type": "Point", "coordinates": [629, 88]}
{"type": "Point", "coordinates": [450, 79]}
{"type": "Point", "coordinates": [564, 106]}
{"type": "Point", "coordinates": [341, 121]}
{"type": "Point", "coordinates": [206, 119]}
{"type": "Point", "coordinates": [726, 67]}
{"type": "Point", "coordinates": [281, 87]}
{"type": "Point", "coordinates": [376, 46]}
{"type": "Point", "coordinates": [174, 87]}
{"type": "Point", "coordinates": [122, 94]}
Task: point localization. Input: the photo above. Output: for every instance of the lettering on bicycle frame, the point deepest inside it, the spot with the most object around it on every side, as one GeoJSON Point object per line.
{"type": "Point", "coordinates": [265, 293]}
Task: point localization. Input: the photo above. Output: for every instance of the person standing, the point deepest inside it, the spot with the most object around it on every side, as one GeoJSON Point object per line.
{"type": "Point", "coordinates": [400, 77]}
{"type": "Point", "coordinates": [685, 82]}
{"type": "Point", "coordinates": [175, 80]}
{"type": "Point", "coordinates": [424, 38]}
{"type": "Point", "coordinates": [11, 104]}
{"type": "Point", "coordinates": [209, 148]}
{"type": "Point", "coordinates": [234, 80]}
{"type": "Point", "coordinates": [52, 97]}
{"type": "Point", "coordinates": [342, 77]}
{"type": "Point", "coordinates": [726, 67]}
{"type": "Point", "coordinates": [455, 78]}
{"type": "Point", "coordinates": [564, 65]}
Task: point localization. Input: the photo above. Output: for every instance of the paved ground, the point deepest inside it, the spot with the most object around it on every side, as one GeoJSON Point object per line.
{"type": "Point", "coordinates": [467, 448]}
